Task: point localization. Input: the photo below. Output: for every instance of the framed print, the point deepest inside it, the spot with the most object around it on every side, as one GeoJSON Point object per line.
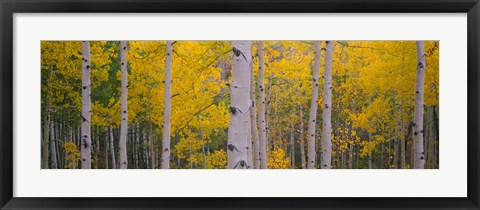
{"type": "Point", "coordinates": [159, 104]}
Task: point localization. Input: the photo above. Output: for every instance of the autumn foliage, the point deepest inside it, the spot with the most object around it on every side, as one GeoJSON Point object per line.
{"type": "Point", "coordinates": [373, 87]}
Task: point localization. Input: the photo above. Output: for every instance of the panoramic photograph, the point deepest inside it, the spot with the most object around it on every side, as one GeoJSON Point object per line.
{"type": "Point", "coordinates": [239, 104]}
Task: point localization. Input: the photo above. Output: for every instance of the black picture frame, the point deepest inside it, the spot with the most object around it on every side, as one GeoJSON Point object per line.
{"type": "Point", "coordinates": [9, 7]}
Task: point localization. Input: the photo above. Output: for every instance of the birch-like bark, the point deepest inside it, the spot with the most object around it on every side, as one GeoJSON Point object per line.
{"type": "Point", "coordinates": [292, 146]}
{"type": "Point", "coordinates": [313, 109]}
{"type": "Point", "coordinates": [46, 124]}
{"type": "Point", "coordinates": [53, 149]}
{"type": "Point", "coordinates": [395, 149]}
{"type": "Point", "coordinates": [106, 154]}
{"type": "Point", "coordinates": [402, 127]}
{"type": "Point", "coordinates": [248, 147]}
{"type": "Point", "coordinates": [253, 124]}
{"type": "Point", "coordinates": [261, 107]}
{"type": "Point", "coordinates": [137, 146]}
{"type": "Point", "coordinates": [302, 137]}
{"type": "Point", "coordinates": [165, 164]}
{"type": "Point", "coordinates": [112, 151]}
{"type": "Point", "coordinates": [327, 109]}
{"type": "Point", "coordinates": [146, 152]}
{"type": "Point", "coordinates": [238, 128]}
{"type": "Point", "coordinates": [122, 144]}
{"type": "Point", "coordinates": [86, 107]}
{"type": "Point", "coordinates": [96, 147]}
{"type": "Point", "coordinates": [402, 141]}
{"type": "Point", "coordinates": [418, 99]}
{"type": "Point", "coordinates": [268, 141]}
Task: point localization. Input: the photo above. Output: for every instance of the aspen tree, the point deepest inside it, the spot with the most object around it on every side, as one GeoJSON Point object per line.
{"type": "Point", "coordinates": [249, 148]}
{"type": "Point", "coordinates": [167, 109]}
{"type": "Point", "coordinates": [292, 146]}
{"type": "Point", "coordinates": [46, 124]}
{"type": "Point", "coordinates": [327, 109]}
{"type": "Point", "coordinates": [313, 109]}
{"type": "Point", "coordinates": [302, 144]}
{"type": "Point", "coordinates": [86, 107]}
{"type": "Point", "coordinates": [122, 144]}
{"type": "Point", "coordinates": [261, 107]}
{"type": "Point", "coordinates": [253, 124]}
{"type": "Point", "coordinates": [418, 99]}
{"type": "Point", "coordinates": [112, 151]}
{"type": "Point", "coordinates": [137, 143]}
{"type": "Point", "coordinates": [238, 128]}
{"type": "Point", "coordinates": [53, 147]}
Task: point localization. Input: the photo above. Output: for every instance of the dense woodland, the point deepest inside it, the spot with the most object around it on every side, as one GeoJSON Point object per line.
{"type": "Point", "coordinates": [240, 104]}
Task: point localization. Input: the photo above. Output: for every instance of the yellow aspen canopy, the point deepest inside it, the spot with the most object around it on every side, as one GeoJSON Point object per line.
{"type": "Point", "coordinates": [249, 104]}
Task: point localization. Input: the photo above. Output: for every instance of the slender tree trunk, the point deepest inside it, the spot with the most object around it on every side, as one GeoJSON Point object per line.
{"type": "Point", "coordinates": [86, 107]}
{"type": "Point", "coordinates": [435, 143]}
{"type": "Point", "coordinates": [137, 145]}
{"type": "Point", "coordinates": [134, 146]}
{"type": "Point", "coordinates": [402, 142]}
{"type": "Point", "coordinates": [253, 124]}
{"type": "Point", "coordinates": [97, 149]}
{"type": "Point", "coordinates": [429, 136]}
{"type": "Point", "coordinates": [261, 107]}
{"type": "Point", "coordinates": [167, 108]}
{"type": "Point", "coordinates": [268, 141]}
{"type": "Point", "coordinates": [395, 153]}
{"type": "Point", "coordinates": [350, 156]}
{"type": "Point", "coordinates": [240, 105]}
{"type": "Point", "coordinates": [150, 145]}
{"type": "Point", "coordinates": [46, 124]}
{"type": "Point", "coordinates": [313, 109]}
{"type": "Point", "coordinates": [402, 123]}
{"type": "Point", "coordinates": [292, 146]}
{"type": "Point", "coordinates": [327, 109]}
{"type": "Point", "coordinates": [53, 149]}
{"type": "Point", "coordinates": [94, 155]}
{"type": "Point", "coordinates": [418, 118]}
{"type": "Point", "coordinates": [395, 141]}
{"type": "Point", "coordinates": [146, 158]}
{"type": "Point", "coordinates": [112, 150]}
{"type": "Point", "coordinates": [302, 139]}
{"type": "Point", "coordinates": [72, 139]}
{"type": "Point", "coordinates": [107, 148]}
{"type": "Point", "coordinates": [122, 144]}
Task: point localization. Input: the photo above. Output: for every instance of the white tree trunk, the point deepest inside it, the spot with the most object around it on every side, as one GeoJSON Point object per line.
{"type": "Point", "coordinates": [86, 107]}
{"type": "Point", "coordinates": [418, 118]}
{"type": "Point", "coordinates": [253, 124]}
{"type": "Point", "coordinates": [137, 145]}
{"type": "Point", "coordinates": [53, 148]}
{"type": "Point", "coordinates": [327, 109]}
{"type": "Point", "coordinates": [292, 146]}
{"type": "Point", "coordinates": [46, 124]}
{"type": "Point", "coordinates": [261, 107]}
{"type": "Point", "coordinates": [122, 144]}
{"type": "Point", "coordinates": [238, 129]}
{"type": "Point", "coordinates": [112, 151]}
{"type": "Point", "coordinates": [313, 109]}
{"type": "Point", "coordinates": [302, 145]}
{"type": "Point", "coordinates": [167, 108]}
